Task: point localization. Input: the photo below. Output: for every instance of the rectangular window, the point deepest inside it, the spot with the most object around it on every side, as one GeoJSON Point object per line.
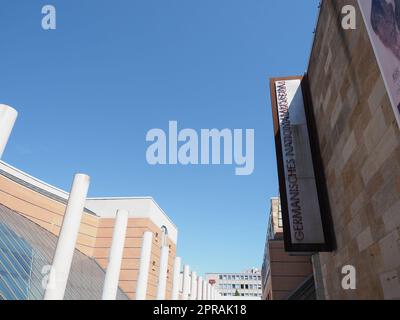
{"type": "Point", "coordinates": [280, 223]}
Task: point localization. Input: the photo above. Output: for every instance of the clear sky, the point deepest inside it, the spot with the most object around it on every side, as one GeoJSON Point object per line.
{"type": "Point", "coordinates": [88, 92]}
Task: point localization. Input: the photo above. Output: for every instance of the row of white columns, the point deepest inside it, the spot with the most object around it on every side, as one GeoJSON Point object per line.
{"type": "Point", "coordinates": [193, 287]}
{"type": "Point", "coordinates": [62, 260]}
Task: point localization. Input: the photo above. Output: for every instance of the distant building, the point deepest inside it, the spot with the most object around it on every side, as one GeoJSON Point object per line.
{"type": "Point", "coordinates": [246, 284]}
{"type": "Point", "coordinates": [284, 276]}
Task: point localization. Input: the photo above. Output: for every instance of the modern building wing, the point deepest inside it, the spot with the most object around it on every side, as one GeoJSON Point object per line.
{"type": "Point", "coordinates": [42, 206]}
{"type": "Point", "coordinates": [57, 245]}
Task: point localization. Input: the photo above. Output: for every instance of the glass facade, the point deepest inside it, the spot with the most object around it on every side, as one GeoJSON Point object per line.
{"type": "Point", "coordinates": [17, 267]}
{"type": "Point", "coordinates": [26, 252]}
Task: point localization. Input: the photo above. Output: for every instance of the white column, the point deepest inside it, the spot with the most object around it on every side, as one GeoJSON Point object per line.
{"type": "Point", "coordinates": [193, 290]}
{"type": "Point", "coordinates": [8, 116]}
{"type": "Point", "coordinates": [213, 292]}
{"type": "Point", "coordinates": [199, 288]}
{"type": "Point", "coordinates": [209, 291]}
{"type": "Point", "coordinates": [143, 275]}
{"type": "Point", "coordinates": [162, 274]}
{"type": "Point", "coordinates": [204, 294]}
{"type": "Point", "coordinates": [110, 288]}
{"type": "Point", "coordinates": [181, 286]}
{"type": "Point", "coordinates": [67, 239]}
{"type": "Point", "coordinates": [186, 282]}
{"type": "Point", "coordinates": [175, 281]}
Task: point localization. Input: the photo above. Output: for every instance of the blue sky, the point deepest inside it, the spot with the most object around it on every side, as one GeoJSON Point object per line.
{"type": "Point", "coordinates": [88, 92]}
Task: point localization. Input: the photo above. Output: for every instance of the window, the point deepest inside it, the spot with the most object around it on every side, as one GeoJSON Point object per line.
{"type": "Point", "coordinates": [16, 262]}
{"type": "Point", "coordinates": [220, 277]}
{"type": "Point", "coordinates": [280, 223]}
{"type": "Point", "coordinates": [229, 277]}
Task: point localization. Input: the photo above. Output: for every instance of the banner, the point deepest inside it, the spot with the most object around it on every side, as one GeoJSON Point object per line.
{"type": "Point", "coordinates": [300, 201]}
{"type": "Point", "coordinates": [382, 19]}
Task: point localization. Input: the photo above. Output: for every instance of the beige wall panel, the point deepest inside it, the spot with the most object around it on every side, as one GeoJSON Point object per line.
{"type": "Point", "coordinates": [46, 212]}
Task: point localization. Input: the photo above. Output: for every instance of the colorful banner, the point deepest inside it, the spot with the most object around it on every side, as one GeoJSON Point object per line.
{"type": "Point", "coordinates": [382, 19]}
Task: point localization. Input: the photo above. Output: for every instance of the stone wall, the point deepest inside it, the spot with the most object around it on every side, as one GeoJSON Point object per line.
{"type": "Point", "coordinates": [360, 146]}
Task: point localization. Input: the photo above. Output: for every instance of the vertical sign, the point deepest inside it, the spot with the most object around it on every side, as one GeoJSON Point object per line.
{"type": "Point", "coordinates": [382, 20]}
{"type": "Point", "coordinates": [301, 209]}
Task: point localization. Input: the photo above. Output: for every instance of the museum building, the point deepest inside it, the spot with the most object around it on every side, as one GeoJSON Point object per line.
{"type": "Point", "coordinates": [345, 138]}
